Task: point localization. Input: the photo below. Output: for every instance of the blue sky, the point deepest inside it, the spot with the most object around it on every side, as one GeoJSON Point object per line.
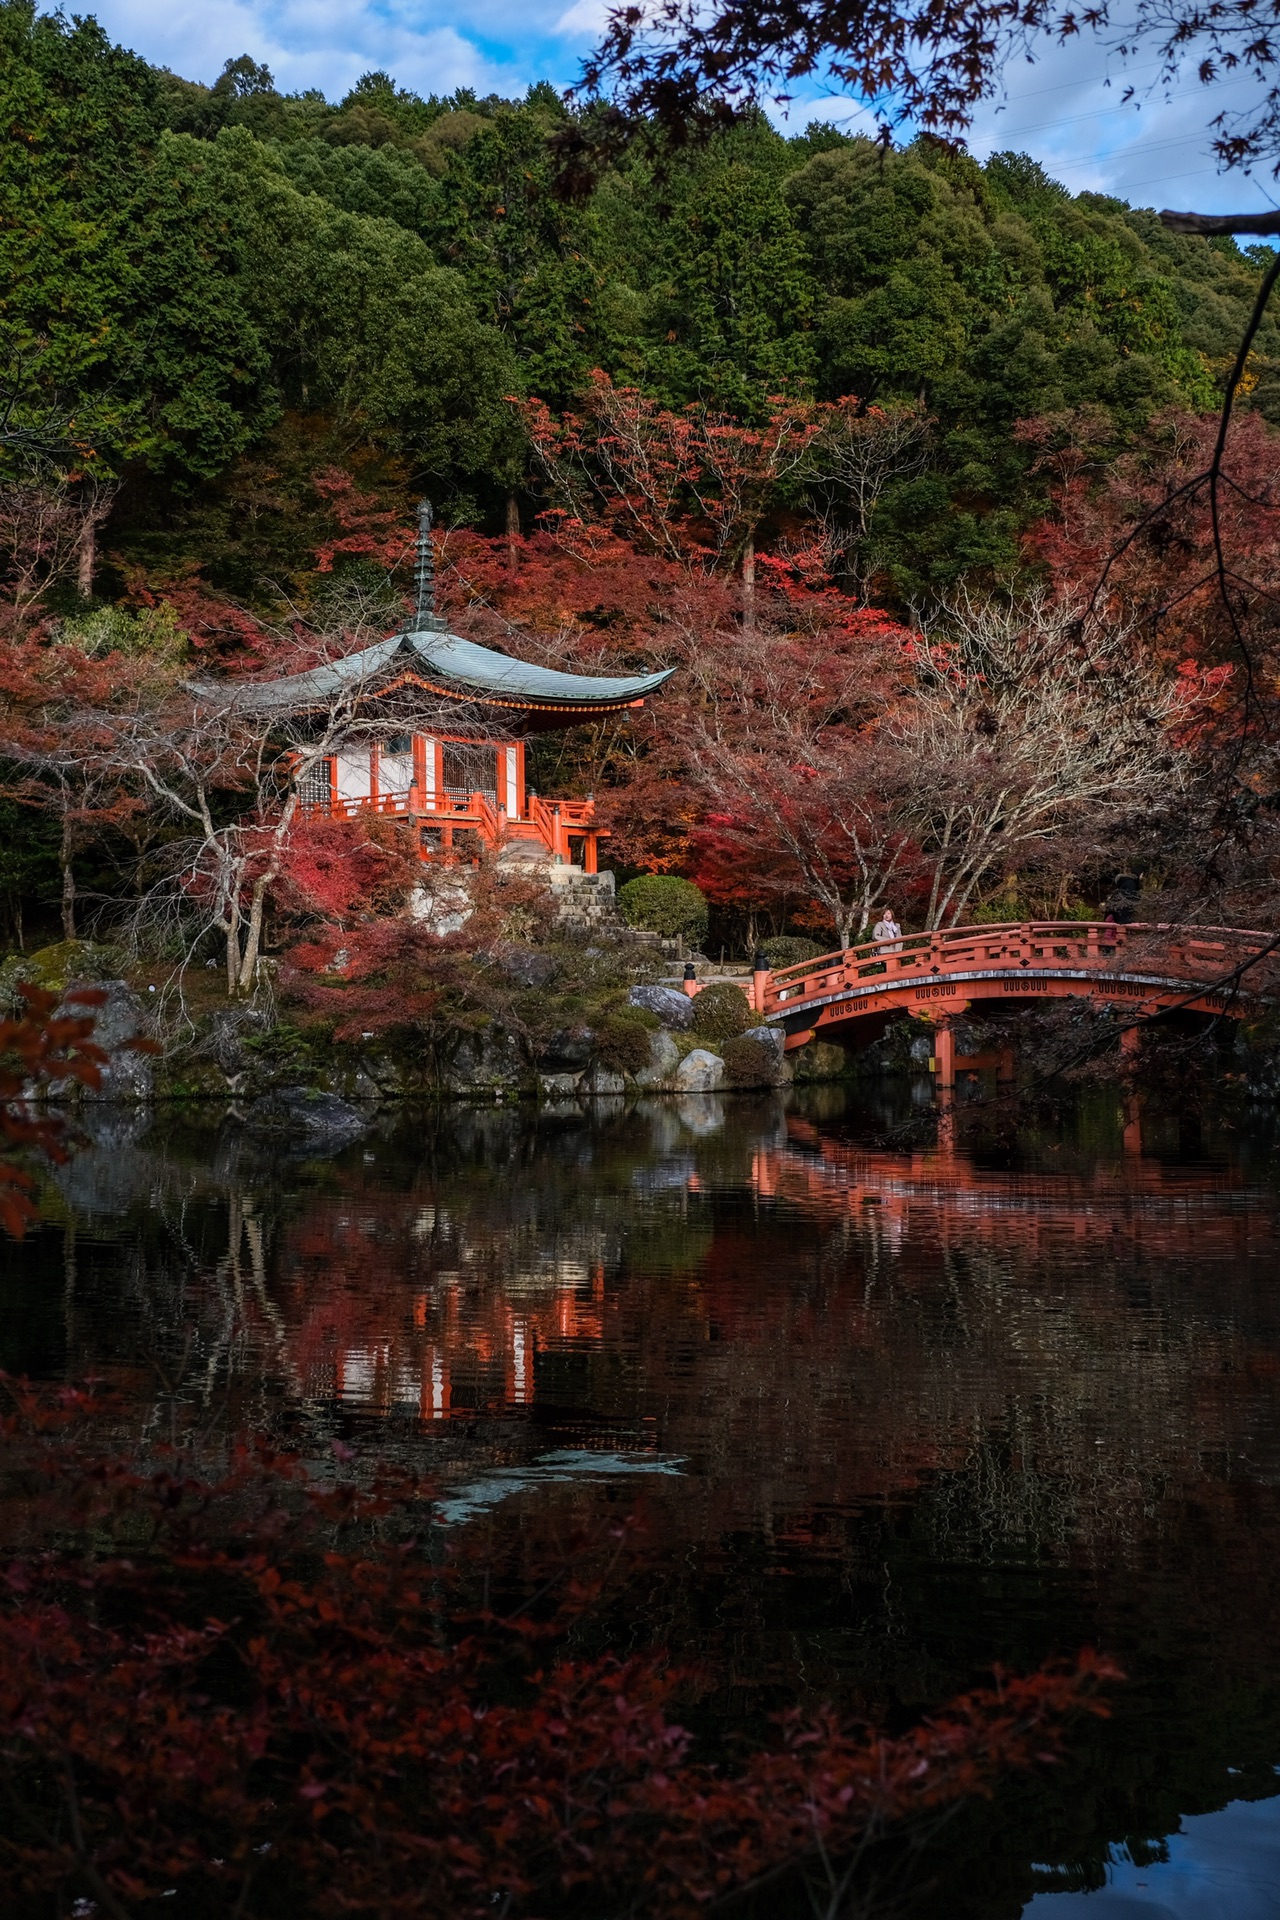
{"type": "Point", "coordinates": [1061, 109]}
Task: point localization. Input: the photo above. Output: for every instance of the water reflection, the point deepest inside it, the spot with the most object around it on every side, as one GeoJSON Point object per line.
{"type": "Point", "coordinates": [1218, 1865]}
{"type": "Point", "coordinates": [898, 1414]}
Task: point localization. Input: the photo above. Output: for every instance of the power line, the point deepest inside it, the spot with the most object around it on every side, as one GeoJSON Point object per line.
{"type": "Point", "coordinates": [1121, 106]}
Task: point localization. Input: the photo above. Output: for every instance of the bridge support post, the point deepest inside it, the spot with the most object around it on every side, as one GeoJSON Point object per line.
{"type": "Point", "coordinates": [944, 1055]}
{"type": "Point", "coordinates": [944, 1080]}
{"type": "Point", "coordinates": [1130, 1048]}
{"type": "Point", "coordinates": [1005, 1070]}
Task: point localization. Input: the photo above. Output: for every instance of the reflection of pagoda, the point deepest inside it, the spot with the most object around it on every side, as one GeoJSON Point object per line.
{"type": "Point", "coordinates": [463, 783]}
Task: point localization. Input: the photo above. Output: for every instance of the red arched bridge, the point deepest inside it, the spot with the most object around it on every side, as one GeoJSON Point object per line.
{"type": "Point", "coordinates": [1140, 971]}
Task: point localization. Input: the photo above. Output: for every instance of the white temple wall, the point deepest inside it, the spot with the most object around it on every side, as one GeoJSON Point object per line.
{"type": "Point", "coordinates": [395, 773]}
{"type": "Point", "coordinates": [351, 769]}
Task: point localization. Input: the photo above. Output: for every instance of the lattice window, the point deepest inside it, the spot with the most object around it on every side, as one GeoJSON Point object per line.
{"type": "Point", "coordinates": [315, 788]}
{"type": "Point", "coordinates": [470, 769]}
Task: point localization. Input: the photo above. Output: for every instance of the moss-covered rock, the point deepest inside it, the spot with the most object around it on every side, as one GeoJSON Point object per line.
{"type": "Point", "coordinates": [821, 1061]}
{"type": "Point", "coordinates": [58, 967]}
{"type": "Point", "coordinates": [622, 1039]}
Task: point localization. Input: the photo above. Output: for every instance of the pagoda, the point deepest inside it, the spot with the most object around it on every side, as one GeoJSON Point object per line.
{"type": "Point", "coordinates": [460, 778]}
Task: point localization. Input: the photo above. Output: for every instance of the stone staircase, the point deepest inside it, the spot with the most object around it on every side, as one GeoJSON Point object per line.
{"type": "Point", "coordinates": [586, 903]}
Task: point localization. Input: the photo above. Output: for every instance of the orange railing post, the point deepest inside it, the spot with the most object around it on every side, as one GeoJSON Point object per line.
{"type": "Point", "coordinates": [759, 983]}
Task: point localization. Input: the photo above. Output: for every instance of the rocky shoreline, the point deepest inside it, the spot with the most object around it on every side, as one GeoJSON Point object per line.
{"type": "Point", "coordinates": [246, 1054]}
{"type": "Point", "coordinates": [280, 1078]}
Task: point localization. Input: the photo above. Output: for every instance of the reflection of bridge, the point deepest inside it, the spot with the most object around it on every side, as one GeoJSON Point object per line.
{"type": "Point", "coordinates": [953, 1201]}
{"type": "Point", "coordinates": [1140, 971]}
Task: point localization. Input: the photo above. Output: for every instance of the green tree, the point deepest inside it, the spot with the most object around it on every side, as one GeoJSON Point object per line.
{"type": "Point", "coordinates": [520, 251]}
{"type": "Point", "coordinates": [121, 302]}
{"type": "Point", "coordinates": [360, 321]}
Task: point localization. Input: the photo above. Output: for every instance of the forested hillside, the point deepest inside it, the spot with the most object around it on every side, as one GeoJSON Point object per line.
{"type": "Point", "coordinates": [228, 290]}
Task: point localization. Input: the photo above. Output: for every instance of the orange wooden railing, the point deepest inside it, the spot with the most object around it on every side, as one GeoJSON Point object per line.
{"type": "Point", "coordinates": [550, 821]}
{"type": "Point", "coordinates": [1194, 954]}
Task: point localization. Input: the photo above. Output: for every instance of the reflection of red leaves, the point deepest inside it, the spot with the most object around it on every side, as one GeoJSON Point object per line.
{"type": "Point", "coordinates": [268, 1718]}
{"type": "Point", "coordinates": [46, 1044]}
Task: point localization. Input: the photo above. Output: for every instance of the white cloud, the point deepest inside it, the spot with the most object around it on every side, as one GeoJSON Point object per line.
{"type": "Point", "coordinates": [587, 18]}
{"type": "Point", "coordinates": [1068, 111]}
{"type": "Point", "coordinates": [329, 43]}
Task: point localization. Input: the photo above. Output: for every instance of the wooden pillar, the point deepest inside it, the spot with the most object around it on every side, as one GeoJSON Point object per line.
{"type": "Point", "coordinates": [1005, 1071]}
{"type": "Point", "coordinates": [944, 1080]}
{"type": "Point", "coordinates": [590, 858]}
{"type": "Point", "coordinates": [944, 1055]}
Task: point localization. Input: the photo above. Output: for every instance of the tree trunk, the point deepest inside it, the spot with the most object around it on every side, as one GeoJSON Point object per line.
{"type": "Point", "coordinates": [68, 886]}
{"type": "Point", "coordinates": [233, 949]}
{"type": "Point", "coordinates": [88, 556]}
{"type": "Point", "coordinates": [253, 936]}
{"type": "Point", "coordinates": [513, 531]}
{"type": "Point", "coordinates": [749, 584]}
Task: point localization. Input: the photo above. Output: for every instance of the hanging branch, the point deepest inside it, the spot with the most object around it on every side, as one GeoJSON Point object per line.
{"type": "Point", "coordinates": [1212, 478]}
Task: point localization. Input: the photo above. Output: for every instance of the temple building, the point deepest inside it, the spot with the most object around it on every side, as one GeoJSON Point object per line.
{"type": "Point", "coordinates": [460, 777]}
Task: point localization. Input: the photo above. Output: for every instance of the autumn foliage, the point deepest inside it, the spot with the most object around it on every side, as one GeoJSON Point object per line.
{"type": "Point", "coordinates": [267, 1687]}
{"type": "Point", "coordinates": [50, 1043]}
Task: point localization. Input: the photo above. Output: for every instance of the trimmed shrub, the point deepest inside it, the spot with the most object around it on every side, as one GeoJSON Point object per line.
{"type": "Point", "coordinates": [785, 950]}
{"type": "Point", "coordinates": [663, 903]}
{"type": "Point", "coordinates": [748, 1064]}
{"type": "Point", "coordinates": [622, 1039]}
{"type": "Point", "coordinates": [720, 1012]}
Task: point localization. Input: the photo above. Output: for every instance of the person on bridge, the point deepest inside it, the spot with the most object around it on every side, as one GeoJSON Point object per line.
{"type": "Point", "coordinates": [886, 932]}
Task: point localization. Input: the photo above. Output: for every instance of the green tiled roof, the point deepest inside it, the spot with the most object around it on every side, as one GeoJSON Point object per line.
{"type": "Point", "coordinates": [474, 673]}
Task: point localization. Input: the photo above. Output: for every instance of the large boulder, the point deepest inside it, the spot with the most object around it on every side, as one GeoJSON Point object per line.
{"type": "Point", "coordinates": [122, 1017]}
{"type": "Point", "coordinates": [820, 1060]}
{"type": "Point", "coordinates": [305, 1121]}
{"type": "Point", "coordinates": [664, 1058]}
{"type": "Point", "coordinates": [482, 1063]}
{"type": "Point", "coordinates": [673, 1008]}
{"type": "Point", "coordinates": [228, 1030]}
{"type": "Point", "coordinates": [523, 966]}
{"type": "Point", "coordinates": [603, 1080]}
{"type": "Point", "coordinates": [699, 1072]}
{"type": "Point", "coordinates": [559, 1086]}
{"type": "Point", "coordinates": [568, 1051]}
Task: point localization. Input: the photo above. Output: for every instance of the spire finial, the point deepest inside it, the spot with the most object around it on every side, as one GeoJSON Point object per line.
{"type": "Point", "coordinates": [424, 573]}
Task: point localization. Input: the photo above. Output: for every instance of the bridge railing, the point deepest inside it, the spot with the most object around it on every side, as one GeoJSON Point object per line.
{"type": "Point", "coordinates": [1194, 954]}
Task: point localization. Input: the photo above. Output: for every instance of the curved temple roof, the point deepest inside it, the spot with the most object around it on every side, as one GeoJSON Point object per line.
{"type": "Point", "coordinates": [454, 667]}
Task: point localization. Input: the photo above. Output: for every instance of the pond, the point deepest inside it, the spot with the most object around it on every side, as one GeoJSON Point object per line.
{"type": "Point", "coordinates": [887, 1415]}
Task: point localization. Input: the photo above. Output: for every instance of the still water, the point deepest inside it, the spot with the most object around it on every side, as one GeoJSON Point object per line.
{"type": "Point", "coordinates": [887, 1415]}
